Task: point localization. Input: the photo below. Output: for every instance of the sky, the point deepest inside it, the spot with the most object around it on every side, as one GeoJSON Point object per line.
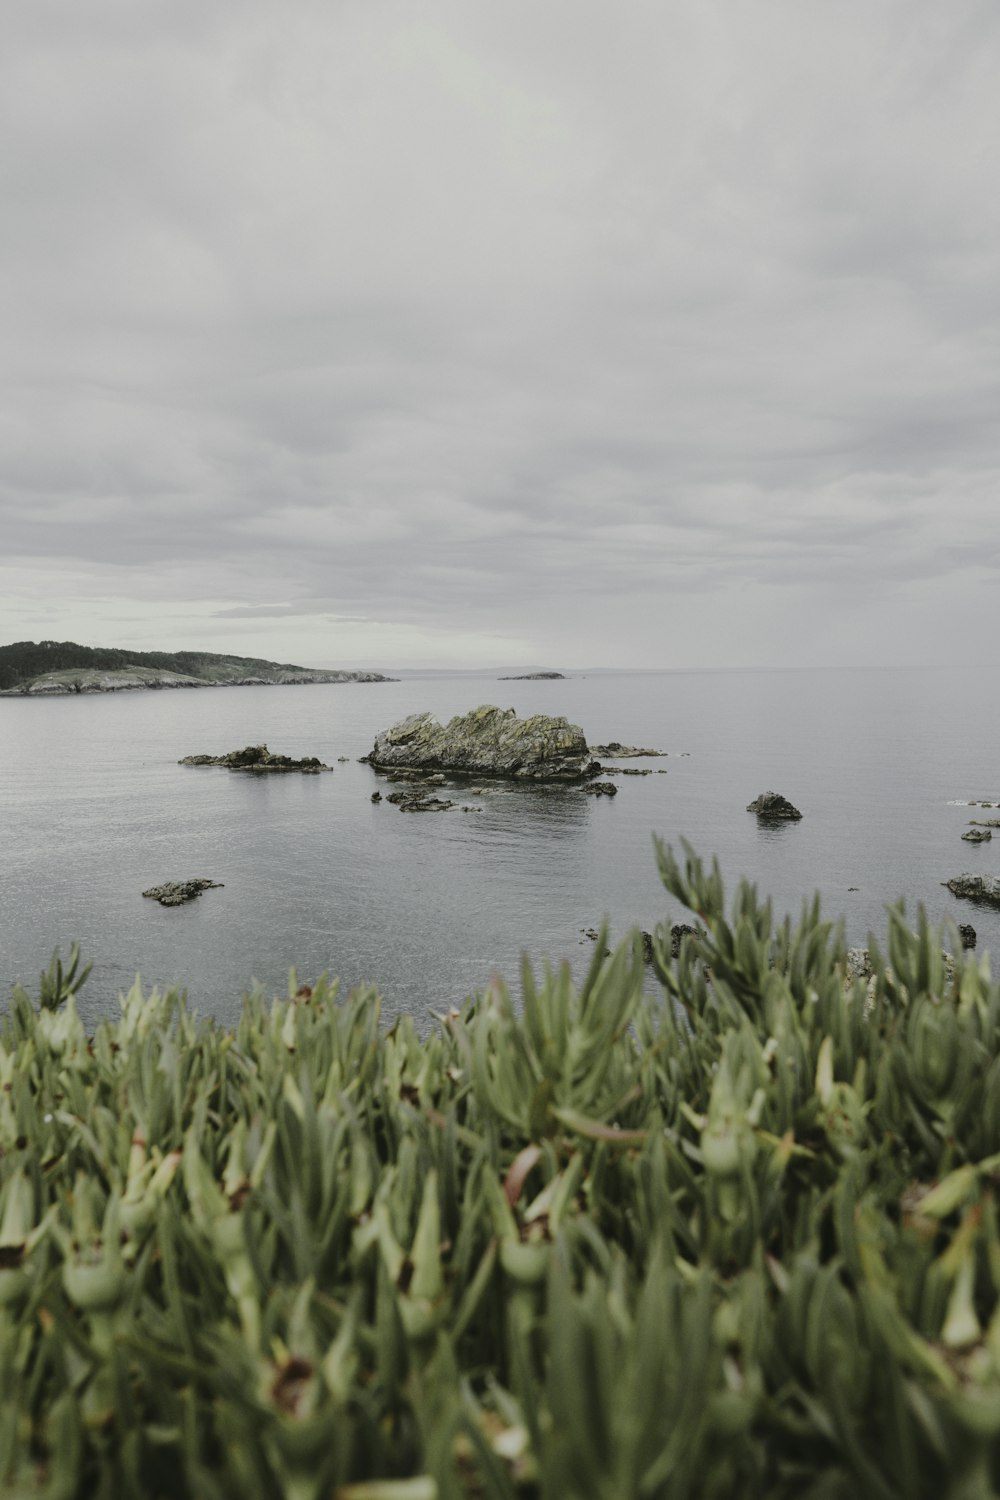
{"type": "Point", "coordinates": [525, 333]}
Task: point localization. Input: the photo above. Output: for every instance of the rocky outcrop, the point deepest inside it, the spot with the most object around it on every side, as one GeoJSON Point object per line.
{"type": "Point", "coordinates": [614, 750]}
{"type": "Point", "coordinates": [256, 758]}
{"type": "Point", "coordinates": [774, 807]}
{"type": "Point", "coordinates": [982, 888]}
{"type": "Point", "coordinates": [177, 892]}
{"type": "Point", "coordinates": [601, 789]}
{"type": "Point", "coordinates": [487, 742]}
{"type": "Point", "coordinates": [977, 835]}
{"type": "Point", "coordinates": [534, 677]}
{"type": "Point", "coordinates": [985, 822]}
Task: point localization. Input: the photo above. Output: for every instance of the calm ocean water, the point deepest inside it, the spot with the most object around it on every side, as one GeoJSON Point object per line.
{"type": "Point", "coordinates": [94, 808]}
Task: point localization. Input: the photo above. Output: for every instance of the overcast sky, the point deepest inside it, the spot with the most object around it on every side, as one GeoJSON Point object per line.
{"type": "Point", "coordinates": [500, 332]}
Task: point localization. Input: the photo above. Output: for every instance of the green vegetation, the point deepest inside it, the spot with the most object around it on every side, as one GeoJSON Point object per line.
{"type": "Point", "coordinates": [740, 1238]}
{"type": "Point", "coordinates": [24, 661]}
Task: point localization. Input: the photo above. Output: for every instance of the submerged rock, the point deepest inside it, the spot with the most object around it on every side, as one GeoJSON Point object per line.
{"type": "Point", "coordinates": [256, 758]}
{"type": "Point", "coordinates": [977, 835]}
{"type": "Point", "coordinates": [488, 741]}
{"type": "Point", "coordinates": [983, 888]}
{"type": "Point", "coordinates": [176, 892]}
{"type": "Point", "coordinates": [773, 805]}
{"type": "Point", "coordinates": [417, 802]}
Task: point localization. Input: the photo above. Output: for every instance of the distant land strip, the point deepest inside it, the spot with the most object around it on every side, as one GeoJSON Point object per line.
{"type": "Point", "coordinates": [33, 669]}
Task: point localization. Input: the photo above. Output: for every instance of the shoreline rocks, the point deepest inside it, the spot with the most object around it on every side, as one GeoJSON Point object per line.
{"type": "Point", "coordinates": [774, 807]}
{"type": "Point", "coordinates": [89, 681]}
{"type": "Point", "coordinates": [489, 741]}
{"type": "Point", "coordinates": [257, 758]}
{"type": "Point", "coordinates": [177, 892]}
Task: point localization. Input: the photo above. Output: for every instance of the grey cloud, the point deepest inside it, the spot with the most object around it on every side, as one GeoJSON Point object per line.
{"type": "Point", "coordinates": [425, 319]}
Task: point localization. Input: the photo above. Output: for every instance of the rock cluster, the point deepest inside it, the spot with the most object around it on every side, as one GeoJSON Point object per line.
{"type": "Point", "coordinates": [774, 806]}
{"type": "Point", "coordinates": [176, 892]}
{"type": "Point", "coordinates": [257, 758]}
{"type": "Point", "coordinates": [601, 789]}
{"type": "Point", "coordinates": [488, 741]}
{"type": "Point", "coordinates": [977, 836]}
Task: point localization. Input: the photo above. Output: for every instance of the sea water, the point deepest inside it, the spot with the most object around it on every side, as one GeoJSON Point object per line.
{"type": "Point", "coordinates": [94, 808]}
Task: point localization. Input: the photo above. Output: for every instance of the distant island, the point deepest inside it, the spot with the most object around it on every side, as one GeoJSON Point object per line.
{"type": "Point", "coordinates": [533, 677]}
{"type": "Point", "coordinates": [34, 669]}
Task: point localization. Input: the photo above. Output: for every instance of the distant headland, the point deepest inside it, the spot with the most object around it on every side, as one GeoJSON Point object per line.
{"type": "Point", "coordinates": [34, 669]}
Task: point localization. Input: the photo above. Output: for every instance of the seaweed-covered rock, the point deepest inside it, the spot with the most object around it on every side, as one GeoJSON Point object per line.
{"type": "Point", "coordinates": [488, 741]}
{"type": "Point", "coordinates": [256, 758]}
{"type": "Point", "coordinates": [177, 892]}
{"type": "Point", "coordinates": [773, 805]}
{"type": "Point", "coordinates": [982, 888]}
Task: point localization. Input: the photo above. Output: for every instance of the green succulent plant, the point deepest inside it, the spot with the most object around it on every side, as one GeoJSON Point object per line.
{"type": "Point", "coordinates": [732, 1231]}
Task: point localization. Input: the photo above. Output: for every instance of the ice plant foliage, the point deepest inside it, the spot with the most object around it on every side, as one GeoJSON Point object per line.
{"type": "Point", "coordinates": [737, 1236]}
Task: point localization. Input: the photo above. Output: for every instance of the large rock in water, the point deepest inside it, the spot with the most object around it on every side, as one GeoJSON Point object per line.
{"type": "Point", "coordinates": [773, 805]}
{"type": "Point", "coordinates": [487, 742]}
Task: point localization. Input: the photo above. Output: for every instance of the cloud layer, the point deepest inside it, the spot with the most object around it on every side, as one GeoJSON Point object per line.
{"type": "Point", "coordinates": [658, 334]}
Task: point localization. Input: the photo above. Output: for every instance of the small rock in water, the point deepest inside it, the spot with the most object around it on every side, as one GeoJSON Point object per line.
{"type": "Point", "coordinates": [984, 888]}
{"type": "Point", "coordinates": [601, 789]}
{"type": "Point", "coordinates": [977, 835]}
{"type": "Point", "coordinates": [176, 892]}
{"type": "Point", "coordinates": [678, 932]}
{"type": "Point", "coordinates": [376, 796]}
{"type": "Point", "coordinates": [615, 750]}
{"type": "Point", "coordinates": [415, 801]}
{"type": "Point", "coordinates": [256, 758]}
{"type": "Point", "coordinates": [774, 805]}
{"type": "Point", "coordinates": [968, 934]}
